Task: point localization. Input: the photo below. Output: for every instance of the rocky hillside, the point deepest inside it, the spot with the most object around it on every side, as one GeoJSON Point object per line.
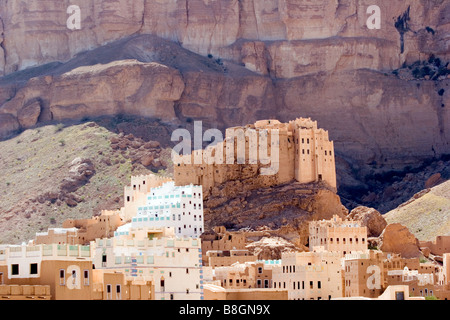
{"type": "Point", "coordinates": [54, 173]}
{"type": "Point", "coordinates": [426, 214]}
{"type": "Point", "coordinates": [366, 185]}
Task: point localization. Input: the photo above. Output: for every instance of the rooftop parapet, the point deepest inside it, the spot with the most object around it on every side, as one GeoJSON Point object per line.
{"type": "Point", "coordinates": [335, 222]}
{"type": "Point", "coordinates": [148, 243]}
{"type": "Point", "coordinates": [46, 251]}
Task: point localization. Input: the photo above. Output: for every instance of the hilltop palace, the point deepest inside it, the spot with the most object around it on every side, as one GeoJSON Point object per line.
{"type": "Point", "coordinates": [296, 150]}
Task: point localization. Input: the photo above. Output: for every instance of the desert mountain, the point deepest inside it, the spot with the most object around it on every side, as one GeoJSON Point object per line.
{"type": "Point", "coordinates": [426, 214]}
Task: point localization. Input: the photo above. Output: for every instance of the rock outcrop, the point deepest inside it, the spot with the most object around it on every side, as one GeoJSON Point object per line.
{"type": "Point", "coordinates": [125, 86]}
{"type": "Point", "coordinates": [270, 248]}
{"type": "Point", "coordinates": [396, 238]}
{"type": "Point", "coordinates": [148, 153]}
{"type": "Point", "coordinates": [28, 116]}
{"type": "Point", "coordinates": [434, 180]}
{"type": "Point", "coordinates": [284, 210]}
{"type": "Point", "coordinates": [79, 173]}
{"type": "Point", "coordinates": [370, 218]}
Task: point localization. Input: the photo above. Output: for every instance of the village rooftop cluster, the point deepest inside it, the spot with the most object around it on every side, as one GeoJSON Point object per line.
{"type": "Point", "coordinates": [156, 247]}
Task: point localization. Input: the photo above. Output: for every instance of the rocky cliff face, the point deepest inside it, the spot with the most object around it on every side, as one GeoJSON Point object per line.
{"type": "Point", "coordinates": [230, 63]}
{"type": "Point", "coordinates": [125, 86]}
{"type": "Point", "coordinates": [373, 117]}
{"type": "Point", "coordinates": [282, 211]}
{"type": "Point", "coordinates": [35, 32]}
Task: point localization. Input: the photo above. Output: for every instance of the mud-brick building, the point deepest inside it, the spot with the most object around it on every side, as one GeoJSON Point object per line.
{"type": "Point", "coordinates": [274, 152]}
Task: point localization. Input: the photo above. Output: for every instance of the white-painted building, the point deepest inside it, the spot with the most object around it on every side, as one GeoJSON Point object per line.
{"type": "Point", "coordinates": [407, 275]}
{"type": "Point", "coordinates": [179, 207]}
{"type": "Point", "coordinates": [315, 275]}
{"type": "Point", "coordinates": [173, 264]}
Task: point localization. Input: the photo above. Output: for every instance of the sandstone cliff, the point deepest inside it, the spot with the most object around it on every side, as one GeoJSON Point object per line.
{"type": "Point", "coordinates": [261, 53]}
{"type": "Point", "coordinates": [35, 32]}
{"type": "Point", "coordinates": [371, 116]}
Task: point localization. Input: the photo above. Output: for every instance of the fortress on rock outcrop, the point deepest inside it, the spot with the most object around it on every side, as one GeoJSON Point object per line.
{"type": "Point", "coordinates": [270, 151]}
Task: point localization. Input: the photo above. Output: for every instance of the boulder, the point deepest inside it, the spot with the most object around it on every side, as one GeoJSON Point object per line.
{"type": "Point", "coordinates": [28, 116]}
{"type": "Point", "coordinates": [114, 140]}
{"type": "Point", "coordinates": [370, 218]}
{"type": "Point", "coordinates": [434, 180]}
{"type": "Point", "coordinates": [396, 238]}
{"type": "Point", "coordinates": [270, 248]}
{"type": "Point", "coordinates": [152, 145]}
{"type": "Point", "coordinates": [79, 173]}
{"type": "Point", "coordinates": [147, 160]}
{"type": "Point", "coordinates": [156, 163]}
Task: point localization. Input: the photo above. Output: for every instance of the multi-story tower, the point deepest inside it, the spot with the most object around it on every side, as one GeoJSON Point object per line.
{"type": "Point", "coordinates": [314, 152]}
{"type": "Point", "coordinates": [180, 207]}
{"type": "Point", "coordinates": [364, 274]}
